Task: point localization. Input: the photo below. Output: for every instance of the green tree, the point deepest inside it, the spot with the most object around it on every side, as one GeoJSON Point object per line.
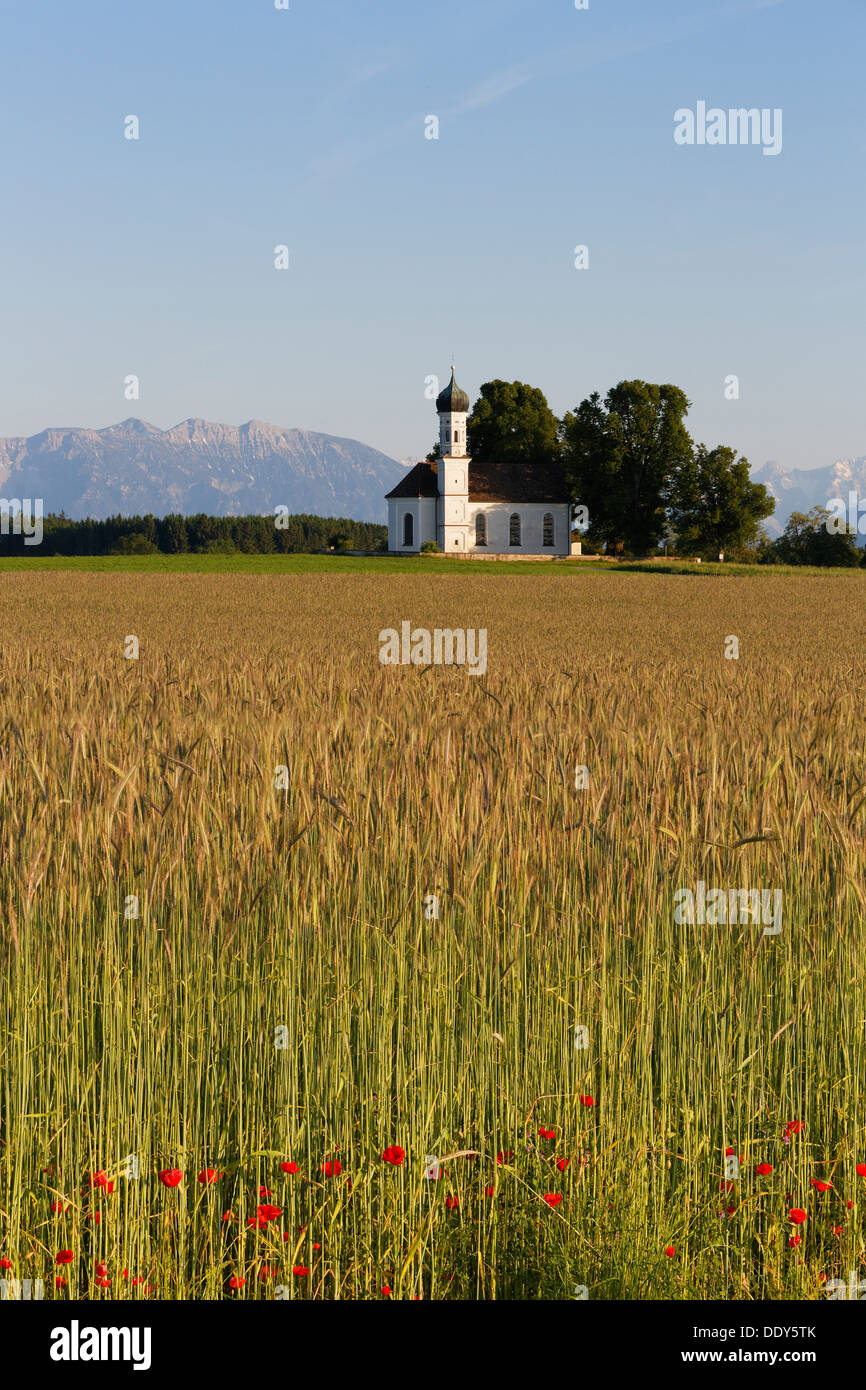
{"type": "Point", "coordinates": [512, 423]}
{"type": "Point", "coordinates": [807, 541]}
{"type": "Point", "coordinates": [621, 458]}
{"type": "Point", "coordinates": [715, 504]}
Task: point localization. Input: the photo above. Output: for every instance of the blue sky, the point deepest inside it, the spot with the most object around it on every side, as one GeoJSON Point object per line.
{"type": "Point", "coordinates": [305, 127]}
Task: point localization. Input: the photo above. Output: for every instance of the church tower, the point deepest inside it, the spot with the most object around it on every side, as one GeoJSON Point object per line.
{"type": "Point", "coordinates": [452, 511]}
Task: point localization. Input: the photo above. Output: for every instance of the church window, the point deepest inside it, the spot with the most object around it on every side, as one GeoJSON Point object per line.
{"type": "Point", "coordinates": [547, 529]}
{"type": "Point", "coordinates": [514, 529]}
{"type": "Point", "coordinates": [481, 529]}
{"type": "Point", "coordinates": [408, 529]}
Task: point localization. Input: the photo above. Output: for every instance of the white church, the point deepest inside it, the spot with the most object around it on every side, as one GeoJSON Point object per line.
{"type": "Point", "coordinates": [477, 508]}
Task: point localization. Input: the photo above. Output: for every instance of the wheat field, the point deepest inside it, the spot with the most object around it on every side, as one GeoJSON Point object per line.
{"type": "Point", "coordinates": [211, 969]}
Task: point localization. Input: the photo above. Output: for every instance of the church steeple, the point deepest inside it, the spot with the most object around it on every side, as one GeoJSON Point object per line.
{"type": "Point", "coordinates": [453, 406]}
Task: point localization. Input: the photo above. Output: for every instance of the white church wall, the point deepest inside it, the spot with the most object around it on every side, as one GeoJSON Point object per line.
{"type": "Point", "coordinates": [532, 516]}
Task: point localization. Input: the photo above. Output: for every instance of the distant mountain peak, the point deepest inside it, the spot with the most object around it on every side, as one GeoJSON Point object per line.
{"type": "Point", "coordinates": [197, 466]}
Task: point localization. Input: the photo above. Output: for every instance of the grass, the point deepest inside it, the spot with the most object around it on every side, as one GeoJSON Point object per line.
{"type": "Point", "coordinates": [385, 565]}
{"type": "Point", "coordinates": [301, 909]}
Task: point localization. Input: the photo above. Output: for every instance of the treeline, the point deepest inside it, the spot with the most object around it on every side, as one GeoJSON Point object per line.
{"type": "Point", "coordinates": [198, 535]}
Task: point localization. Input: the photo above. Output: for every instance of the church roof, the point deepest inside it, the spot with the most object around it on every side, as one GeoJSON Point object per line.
{"type": "Point", "coordinates": [490, 482]}
{"type": "Point", "coordinates": [452, 398]}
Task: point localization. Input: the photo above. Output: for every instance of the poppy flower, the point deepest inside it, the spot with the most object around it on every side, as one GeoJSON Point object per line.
{"type": "Point", "coordinates": [59, 1281]}
{"type": "Point", "coordinates": [837, 1230]}
{"type": "Point", "coordinates": [236, 1282]}
{"type": "Point", "coordinates": [489, 1191]}
{"type": "Point", "coordinates": [57, 1207]}
{"type": "Point", "coordinates": [821, 1186]}
{"type": "Point", "coordinates": [394, 1155]}
{"type": "Point", "coordinates": [386, 1292]}
{"type": "Point", "coordinates": [64, 1257]}
{"type": "Point", "coordinates": [764, 1169]}
{"type": "Point", "coordinates": [316, 1245]}
{"type": "Point", "coordinates": [265, 1192]}
{"type": "Point", "coordinates": [332, 1168]}
{"type": "Point", "coordinates": [670, 1251]}
{"type": "Point", "coordinates": [5, 1263]}
{"type": "Point", "coordinates": [124, 1274]}
{"type": "Point", "coordinates": [586, 1100]}
{"type": "Point", "coordinates": [794, 1241]}
{"type": "Point", "coordinates": [731, 1210]}
{"type": "Point", "coordinates": [208, 1175]}
{"type": "Point", "coordinates": [100, 1179]}
{"type": "Point", "coordinates": [861, 1170]}
{"type": "Point", "coordinates": [506, 1157]}
{"type": "Point", "coordinates": [104, 1283]}
{"type": "Point", "coordinates": [793, 1127]}
{"type": "Point", "coordinates": [300, 1271]}
{"type": "Point", "coordinates": [170, 1177]}
{"type": "Point", "coordinates": [290, 1167]}
{"type": "Point", "coordinates": [268, 1272]}
{"type": "Point", "coordinates": [562, 1164]}
{"type": "Point", "coordinates": [452, 1202]}
{"type": "Point", "coordinates": [228, 1216]}
{"type": "Point", "coordinates": [547, 1133]}
{"type": "Point", "coordinates": [96, 1217]}
{"type": "Point", "coordinates": [797, 1215]}
{"type": "Point", "coordinates": [553, 1199]}
{"type": "Point", "coordinates": [101, 1269]}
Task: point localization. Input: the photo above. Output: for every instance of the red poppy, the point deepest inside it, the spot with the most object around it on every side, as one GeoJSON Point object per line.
{"type": "Point", "coordinates": [208, 1175]}
{"type": "Point", "coordinates": [104, 1283]}
{"type": "Point", "coordinates": [821, 1186]}
{"type": "Point", "coordinates": [300, 1271]}
{"type": "Point", "coordinates": [290, 1167]}
{"type": "Point", "coordinates": [268, 1272]}
{"type": "Point", "coordinates": [553, 1199]}
{"type": "Point", "coordinates": [731, 1210]}
{"type": "Point", "coordinates": [316, 1245]}
{"type": "Point", "coordinates": [837, 1230]}
{"type": "Point", "coordinates": [57, 1206]}
{"type": "Point", "coordinates": [59, 1281]}
{"type": "Point", "coordinates": [265, 1192]}
{"type": "Point", "coordinates": [124, 1274]}
{"type": "Point", "coordinates": [97, 1217]}
{"type": "Point", "coordinates": [101, 1269]}
{"type": "Point", "coordinates": [5, 1263]}
{"type": "Point", "coordinates": [670, 1251]}
{"type": "Point", "coordinates": [64, 1257]}
{"type": "Point", "coordinates": [394, 1154]}
{"type": "Point", "coordinates": [170, 1177]}
{"type": "Point", "coordinates": [101, 1180]}
{"type": "Point", "coordinates": [797, 1215]}
{"type": "Point", "coordinates": [506, 1157]}
{"type": "Point", "coordinates": [386, 1291]}
{"type": "Point", "coordinates": [489, 1191]}
{"type": "Point", "coordinates": [562, 1164]}
{"type": "Point", "coordinates": [236, 1282]}
{"type": "Point", "coordinates": [228, 1216]}
{"type": "Point", "coordinates": [586, 1100]}
{"type": "Point", "coordinates": [764, 1169]}
{"type": "Point", "coordinates": [452, 1202]}
{"type": "Point", "coordinates": [547, 1133]}
{"type": "Point", "coordinates": [793, 1126]}
{"type": "Point", "coordinates": [794, 1241]}
{"type": "Point", "coordinates": [861, 1170]}
{"type": "Point", "coordinates": [264, 1214]}
{"type": "Point", "coordinates": [332, 1168]}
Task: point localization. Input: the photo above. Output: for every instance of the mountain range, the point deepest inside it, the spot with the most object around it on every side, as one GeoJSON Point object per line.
{"type": "Point", "coordinates": [800, 489]}
{"type": "Point", "coordinates": [222, 470]}
{"type": "Point", "coordinates": [236, 470]}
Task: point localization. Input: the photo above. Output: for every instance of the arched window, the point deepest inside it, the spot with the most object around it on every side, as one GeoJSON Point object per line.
{"type": "Point", "coordinates": [481, 529]}
{"type": "Point", "coordinates": [514, 529]}
{"type": "Point", "coordinates": [408, 529]}
{"type": "Point", "coordinates": [547, 529]}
